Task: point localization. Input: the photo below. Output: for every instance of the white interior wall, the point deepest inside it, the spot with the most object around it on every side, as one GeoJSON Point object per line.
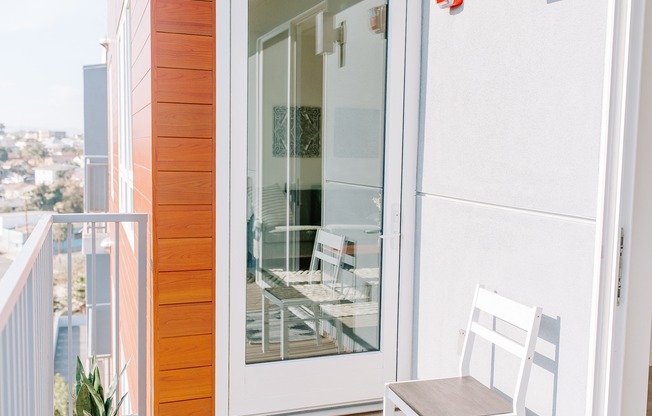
{"type": "Point", "coordinates": [508, 178]}
{"type": "Point", "coordinates": [305, 172]}
{"type": "Point", "coordinates": [354, 117]}
{"type": "Point", "coordinates": [274, 92]}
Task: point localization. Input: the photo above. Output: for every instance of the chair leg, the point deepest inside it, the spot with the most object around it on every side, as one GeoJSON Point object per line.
{"type": "Point", "coordinates": [315, 309]}
{"type": "Point", "coordinates": [284, 333]}
{"type": "Point", "coordinates": [265, 312]}
{"type": "Point", "coordinates": [339, 335]}
{"type": "Point", "coordinates": [388, 405]}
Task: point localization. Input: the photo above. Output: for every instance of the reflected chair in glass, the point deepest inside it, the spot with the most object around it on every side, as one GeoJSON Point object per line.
{"type": "Point", "coordinates": [328, 248]}
{"type": "Point", "coordinates": [303, 300]}
{"type": "Point", "coordinates": [464, 395]}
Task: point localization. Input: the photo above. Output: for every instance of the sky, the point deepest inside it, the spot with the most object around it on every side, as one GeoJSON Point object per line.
{"type": "Point", "coordinates": [44, 45]}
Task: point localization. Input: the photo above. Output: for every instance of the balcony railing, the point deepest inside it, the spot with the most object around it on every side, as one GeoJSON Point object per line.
{"type": "Point", "coordinates": [27, 320]}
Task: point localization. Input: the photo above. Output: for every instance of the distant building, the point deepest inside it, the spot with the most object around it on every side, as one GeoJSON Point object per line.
{"type": "Point", "coordinates": [95, 139]}
{"type": "Point", "coordinates": [48, 134]}
{"type": "Point", "coordinates": [47, 175]}
{"type": "Point", "coordinates": [64, 158]}
{"type": "Point", "coordinates": [16, 191]}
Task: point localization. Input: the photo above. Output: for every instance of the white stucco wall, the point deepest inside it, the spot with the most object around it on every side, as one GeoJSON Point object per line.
{"type": "Point", "coordinates": [508, 176]}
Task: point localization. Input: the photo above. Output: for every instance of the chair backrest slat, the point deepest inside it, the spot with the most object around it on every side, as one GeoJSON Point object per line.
{"type": "Point", "coordinates": [330, 240]}
{"type": "Point", "coordinates": [328, 250]}
{"type": "Point", "coordinates": [505, 309]}
{"type": "Point", "coordinates": [498, 339]}
{"type": "Point", "coordinates": [326, 257]}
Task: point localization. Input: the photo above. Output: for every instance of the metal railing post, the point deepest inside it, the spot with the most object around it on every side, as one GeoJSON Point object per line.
{"type": "Point", "coordinates": [142, 316]}
{"type": "Point", "coordinates": [70, 361]}
{"type": "Point", "coordinates": [116, 307]}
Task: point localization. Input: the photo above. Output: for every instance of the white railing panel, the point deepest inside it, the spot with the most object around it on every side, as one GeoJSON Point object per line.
{"type": "Point", "coordinates": [26, 317]}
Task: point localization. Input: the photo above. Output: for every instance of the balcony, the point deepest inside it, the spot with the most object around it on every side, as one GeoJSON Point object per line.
{"type": "Point", "coordinates": [29, 326]}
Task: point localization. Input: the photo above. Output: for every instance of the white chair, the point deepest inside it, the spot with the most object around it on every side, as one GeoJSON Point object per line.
{"type": "Point", "coordinates": [464, 395]}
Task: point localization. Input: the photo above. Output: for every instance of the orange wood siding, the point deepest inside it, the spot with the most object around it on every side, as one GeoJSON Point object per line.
{"type": "Point", "coordinates": [185, 287]}
{"type": "Point", "coordinates": [185, 352]}
{"type": "Point", "coordinates": [173, 125]}
{"type": "Point", "coordinates": [179, 221]}
{"type": "Point", "coordinates": [184, 384]}
{"type": "Point", "coordinates": [185, 16]}
{"type": "Point", "coordinates": [185, 188]}
{"type": "Point", "coordinates": [185, 120]}
{"type": "Point", "coordinates": [184, 254]}
{"type": "Point", "coordinates": [183, 154]}
{"type": "Point", "coordinates": [183, 159]}
{"type": "Point", "coordinates": [175, 50]}
{"type": "Point", "coordinates": [199, 407]}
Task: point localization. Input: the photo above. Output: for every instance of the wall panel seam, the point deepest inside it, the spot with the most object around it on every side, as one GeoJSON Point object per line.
{"type": "Point", "coordinates": [183, 33]}
{"type": "Point", "coordinates": [140, 51]}
{"type": "Point", "coordinates": [576, 218]}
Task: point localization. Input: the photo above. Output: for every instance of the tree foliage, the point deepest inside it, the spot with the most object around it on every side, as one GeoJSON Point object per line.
{"type": "Point", "coordinates": [62, 196]}
{"type": "Point", "coordinates": [72, 198]}
{"type": "Point", "coordinates": [60, 396]}
{"type": "Point", "coordinates": [34, 150]}
{"type": "Point", "coordinates": [44, 197]}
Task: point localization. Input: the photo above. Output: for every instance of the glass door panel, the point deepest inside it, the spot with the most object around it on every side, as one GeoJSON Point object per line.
{"type": "Point", "coordinates": [316, 116]}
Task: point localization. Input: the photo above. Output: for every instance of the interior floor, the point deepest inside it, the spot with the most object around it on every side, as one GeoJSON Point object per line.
{"type": "Point", "coordinates": [649, 393]}
{"type": "Point", "coordinates": [297, 349]}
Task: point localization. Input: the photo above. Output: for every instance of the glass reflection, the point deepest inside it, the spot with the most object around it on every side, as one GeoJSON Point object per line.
{"type": "Point", "coordinates": [316, 111]}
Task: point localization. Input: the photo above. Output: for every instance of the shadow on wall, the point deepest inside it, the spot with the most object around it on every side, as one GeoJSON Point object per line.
{"type": "Point", "coordinates": [546, 356]}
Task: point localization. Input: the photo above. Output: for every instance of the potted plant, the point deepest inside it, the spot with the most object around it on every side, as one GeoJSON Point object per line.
{"type": "Point", "coordinates": [90, 397]}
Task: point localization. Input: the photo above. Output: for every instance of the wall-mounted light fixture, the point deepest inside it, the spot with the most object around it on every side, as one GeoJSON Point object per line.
{"type": "Point", "coordinates": [327, 35]}
{"type": "Point", "coordinates": [446, 4]}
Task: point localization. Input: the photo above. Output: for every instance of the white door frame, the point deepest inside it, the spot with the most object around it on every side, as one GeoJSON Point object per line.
{"type": "Point", "coordinates": [638, 262]}
{"type": "Point", "coordinates": [412, 116]}
{"type": "Point", "coordinates": [621, 106]}
{"type": "Point", "coordinates": [223, 97]}
{"type": "Point", "coordinates": [230, 95]}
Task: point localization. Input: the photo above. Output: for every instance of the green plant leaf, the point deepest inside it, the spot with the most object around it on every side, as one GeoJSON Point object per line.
{"type": "Point", "coordinates": [87, 414]}
{"type": "Point", "coordinates": [97, 400]}
{"type": "Point", "coordinates": [83, 401]}
{"type": "Point", "coordinates": [107, 405]}
{"type": "Point", "coordinates": [115, 412]}
{"type": "Point", "coordinates": [97, 382]}
{"type": "Point", "coordinates": [91, 371]}
{"type": "Point", "coordinates": [114, 384]}
{"type": "Point", "coordinates": [79, 376]}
